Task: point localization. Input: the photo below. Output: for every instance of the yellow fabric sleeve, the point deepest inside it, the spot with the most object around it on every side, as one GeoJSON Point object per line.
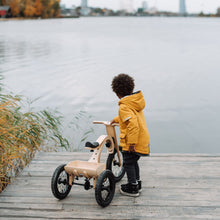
{"type": "Point", "coordinates": [116, 119]}
{"type": "Point", "coordinates": [130, 118]}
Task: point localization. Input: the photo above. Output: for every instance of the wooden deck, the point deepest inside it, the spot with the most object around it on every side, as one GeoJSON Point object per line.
{"type": "Point", "coordinates": [174, 187]}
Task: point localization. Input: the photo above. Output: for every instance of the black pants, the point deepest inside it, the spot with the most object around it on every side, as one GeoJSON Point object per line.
{"type": "Point", "coordinates": [131, 166]}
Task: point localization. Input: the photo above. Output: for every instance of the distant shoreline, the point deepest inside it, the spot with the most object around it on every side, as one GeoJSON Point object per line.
{"type": "Point", "coordinates": [16, 19]}
{"type": "Point", "coordinates": [39, 18]}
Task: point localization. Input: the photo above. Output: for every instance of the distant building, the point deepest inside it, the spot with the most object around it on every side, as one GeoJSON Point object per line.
{"type": "Point", "coordinates": [84, 4]}
{"type": "Point", "coordinates": [68, 12]}
{"type": "Point", "coordinates": [153, 11]}
{"type": "Point", "coordinates": [218, 12]}
{"type": "Point", "coordinates": [144, 6]}
{"type": "Point", "coordinates": [62, 6]}
{"type": "Point", "coordinates": [182, 7]}
{"type": "Point", "coordinates": [85, 10]}
{"type": "Point", "coordinates": [5, 11]}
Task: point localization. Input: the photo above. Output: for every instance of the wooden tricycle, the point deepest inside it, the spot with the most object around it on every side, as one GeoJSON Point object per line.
{"type": "Point", "coordinates": [104, 175]}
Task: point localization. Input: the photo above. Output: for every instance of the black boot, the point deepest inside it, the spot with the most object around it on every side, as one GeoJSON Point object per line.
{"type": "Point", "coordinates": [139, 186]}
{"type": "Point", "coordinates": [129, 189]}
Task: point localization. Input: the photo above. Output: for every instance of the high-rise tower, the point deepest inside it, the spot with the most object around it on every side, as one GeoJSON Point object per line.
{"type": "Point", "coordinates": [85, 10]}
{"type": "Point", "coordinates": [144, 6]}
{"type": "Point", "coordinates": [182, 7]}
{"type": "Point", "coordinates": [84, 4]}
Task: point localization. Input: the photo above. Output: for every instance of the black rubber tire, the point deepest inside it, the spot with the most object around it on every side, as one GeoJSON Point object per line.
{"type": "Point", "coordinates": [105, 188]}
{"type": "Point", "coordinates": [60, 183]}
{"type": "Point", "coordinates": [113, 165]}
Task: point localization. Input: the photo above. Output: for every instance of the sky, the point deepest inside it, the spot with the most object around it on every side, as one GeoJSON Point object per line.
{"type": "Point", "coordinates": [193, 6]}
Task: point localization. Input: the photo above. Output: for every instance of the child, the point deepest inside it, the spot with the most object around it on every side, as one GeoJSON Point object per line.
{"type": "Point", "coordinates": [134, 137]}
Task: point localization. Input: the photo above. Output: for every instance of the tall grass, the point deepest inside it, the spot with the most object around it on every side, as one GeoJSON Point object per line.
{"type": "Point", "coordinates": [22, 133]}
{"type": "Point", "coordinates": [81, 128]}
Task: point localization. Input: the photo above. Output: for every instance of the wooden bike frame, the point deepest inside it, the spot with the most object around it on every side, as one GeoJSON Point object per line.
{"type": "Point", "coordinates": [92, 168]}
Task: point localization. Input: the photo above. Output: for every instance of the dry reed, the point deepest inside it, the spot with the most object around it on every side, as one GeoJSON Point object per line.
{"type": "Point", "coordinates": [22, 134]}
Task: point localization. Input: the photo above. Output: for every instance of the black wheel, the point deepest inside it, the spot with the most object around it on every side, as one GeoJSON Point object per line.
{"type": "Point", "coordinates": [113, 165]}
{"type": "Point", "coordinates": [60, 183]}
{"type": "Point", "coordinates": [105, 188]}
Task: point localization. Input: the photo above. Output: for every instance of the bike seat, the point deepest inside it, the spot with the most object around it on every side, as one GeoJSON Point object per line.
{"type": "Point", "coordinates": [92, 145]}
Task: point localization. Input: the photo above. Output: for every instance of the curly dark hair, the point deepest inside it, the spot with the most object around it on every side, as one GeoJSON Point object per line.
{"type": "Point", "coordinates": [123, 84]}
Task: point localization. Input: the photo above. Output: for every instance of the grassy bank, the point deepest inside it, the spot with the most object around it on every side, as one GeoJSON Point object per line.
{"type": "Point", "coordinates": [22, 133]}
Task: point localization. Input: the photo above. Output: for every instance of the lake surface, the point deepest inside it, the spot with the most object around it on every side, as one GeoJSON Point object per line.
{"type": "Point", "coordinates": [68, 65]}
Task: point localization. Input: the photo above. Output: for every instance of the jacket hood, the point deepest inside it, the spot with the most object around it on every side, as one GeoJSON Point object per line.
{"type": "Point", "coordinates": [134, 101]}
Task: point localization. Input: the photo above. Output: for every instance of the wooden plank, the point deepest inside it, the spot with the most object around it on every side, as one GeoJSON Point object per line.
{"type": "Point", "coordinates": [36, 182]}
{"type": "Point", "coordinates": [177, 199]}
{"type": "Point", "coordinates": [208, 196]}
{"type": "Point", "coordinates": [114, 212]}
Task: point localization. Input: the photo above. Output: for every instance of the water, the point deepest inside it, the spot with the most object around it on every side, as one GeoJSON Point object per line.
{"type": "Point", "coordinates": [68, 64]}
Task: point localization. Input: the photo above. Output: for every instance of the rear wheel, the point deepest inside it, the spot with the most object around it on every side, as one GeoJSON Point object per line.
{"type": "Point", "coordinates": [105, 188]}
{"type": "Point", "coordinates": [113, 165]}
{"type": "Point", "coordinates": [60, 183]}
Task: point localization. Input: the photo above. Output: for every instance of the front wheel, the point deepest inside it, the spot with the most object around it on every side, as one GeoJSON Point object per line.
{"type": "Point", "coordinates": [105, 188]}
{"type": "Point", "coordinates": [113, 165]}
{"type": "Point", "coordinates": [60, 183]}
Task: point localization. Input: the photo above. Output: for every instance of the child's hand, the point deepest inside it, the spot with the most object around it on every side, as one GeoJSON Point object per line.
{"type": "Point", "coordinates": [112, 122]}
{"type": "Point", "coordinates": [131, 149]}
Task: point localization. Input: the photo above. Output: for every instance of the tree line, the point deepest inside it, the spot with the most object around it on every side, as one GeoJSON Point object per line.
{"type": "Point", "coordinates": [33, 8]}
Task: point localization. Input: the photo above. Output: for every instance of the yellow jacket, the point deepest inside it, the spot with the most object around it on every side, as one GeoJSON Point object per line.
{"type": "Point", "coordinates": [133, 128]}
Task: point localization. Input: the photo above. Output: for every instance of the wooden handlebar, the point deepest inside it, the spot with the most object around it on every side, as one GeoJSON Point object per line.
{"type": "Point", "coordinates": [101, 122]}
{"type": "Point", "coordinates": [105, 123]}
